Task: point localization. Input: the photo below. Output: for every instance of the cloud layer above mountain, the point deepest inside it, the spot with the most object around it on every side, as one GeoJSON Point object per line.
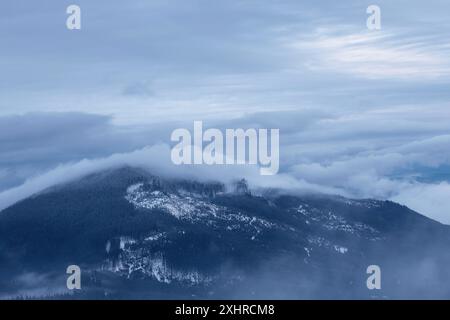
{"type": "Point", "coordinates": [361, 113]}
{"type": "Point", "coordinates": [57, 148]}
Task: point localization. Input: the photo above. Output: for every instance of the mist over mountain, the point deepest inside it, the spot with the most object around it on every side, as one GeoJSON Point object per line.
{"type": "Point", "coordinates": [137, 235]}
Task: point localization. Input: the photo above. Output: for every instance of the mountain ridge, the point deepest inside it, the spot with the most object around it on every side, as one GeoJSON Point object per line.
{"type": "Point", "coordinates": [130, 228]}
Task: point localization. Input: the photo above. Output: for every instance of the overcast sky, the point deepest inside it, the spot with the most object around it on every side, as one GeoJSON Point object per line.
{"type": "Point", "coordinates": [361, 113]}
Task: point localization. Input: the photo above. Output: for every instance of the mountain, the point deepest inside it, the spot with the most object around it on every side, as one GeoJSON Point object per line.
{"type": "Point", "coordinates": [137, 235]}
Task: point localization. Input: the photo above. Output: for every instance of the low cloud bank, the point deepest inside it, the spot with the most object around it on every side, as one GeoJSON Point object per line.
{"type": "Point", "coordinates": [155, 159]}
{"type": "Point", "coordinates": [428, 199]}
{"type": "Point", "coordinates": [387, 154]}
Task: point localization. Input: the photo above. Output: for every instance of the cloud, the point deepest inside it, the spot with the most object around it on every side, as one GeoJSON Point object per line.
{"type": "Point", "coordinates": [376, 55]}
{"type": "Point", "coordinates": [363, 114]}
{"type": "Point", "coordinates": [33, 143]}
{"type": "Point", "coordinates": [432, 200]}
{"type": "Point", "coordinates": [156, 160]}
{"type": "Point", "coordinates": [380, 153]}
{"type": "Point", "coordinates": [138, 89]}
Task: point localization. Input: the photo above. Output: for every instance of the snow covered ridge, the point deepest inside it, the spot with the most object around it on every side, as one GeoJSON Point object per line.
{"type": "Point", "coordinates": [334, 222]}
{"type": "Point", "coordinates": [191, 207]}
{"type": "Point", "coordinates": [185, 204]}
{"type": "Point", "coordinates": [180, 207]}
{"type": "Point", "coordinates": [135, 260]}
{"type": "Point", "coordinates": [195, 207]}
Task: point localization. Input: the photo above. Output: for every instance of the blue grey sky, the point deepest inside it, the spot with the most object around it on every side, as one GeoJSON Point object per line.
{"type": "Point", "coordinates": [365, 113]}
